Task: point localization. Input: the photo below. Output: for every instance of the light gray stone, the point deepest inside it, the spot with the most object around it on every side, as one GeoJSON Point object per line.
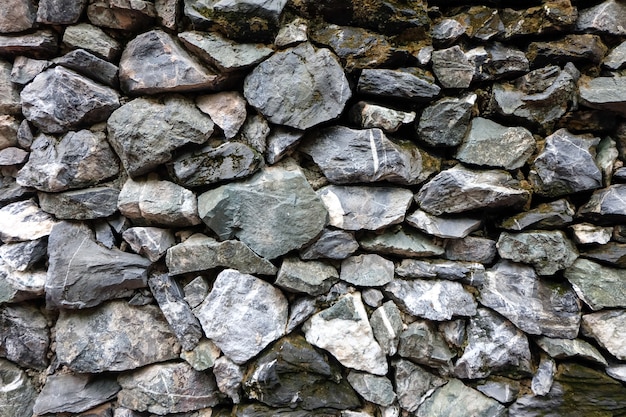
{"type": "Point", "coordinates": [331, 244]}
{"type": "Point", "coordinates": [227, 109]}
{"type": "Point", "coordinates": [373, 388]}
{"type": "Point", "coordinates": [17, 286]}
{"type": "Point", "coordinates": [196, 291]}
{"type": "Point", "coordinates": [26, 69]}
{"type": "Point", "coordinates": [422, 343]}
{"type": "Point", "coordinates": [471, 273]}
{"type": "Point", "coordinates": [413, 384]}
{"type": "Point", "coordinates": [400, 241]}
{"type": "Point", "coordinates": [151, 242]}
{"type": "Point", "coordinates": [280, 142]}
{"type": "Point", "coordinates": [616, 372]}
{"type": "Point", "coordinates": [9, 97]}
{"type": "Point", "coordinates": [570, 348]}
{"type": "Point", "coordinates": [369, 270]}
{"type": "Point", "coordinates": [311, 277]}
{"type": "Point", "coordinates": [254, 132]}
{"type": "Point", "coordinates": [229, 376]}
{"type": "Point", "coordinates": [13, 156]}
{"type": "Point", "coordinates": [24, 220]}
{"type": "Point", "coordinates": [454, 399]}
{"type": "Point", "coordinates": [17, 394]}
{"type": "Point", "coordinates": [299, 311]}
{"type": "Point", "coordinates": [370, 115]}
{"type": "Point", "coordinates": [87, 204]}
{"type": "Point", "coordinates": [616, 59]}
{"type": "Point", "coordinates": [168, 13]}
{"type": "Point", "coordinates": [25, 335]}
{"type": "Point", "coordinates": [597, 285]}
{"type": "Point", "coordinates": [93, 39]}
{"type": "Point", "coordinates": [18, 15]}
{"type": "Point", "coordinates": [442, 226]}
{"type": "Point", "coordinates": [501, 389]}
{"type": "Point", "coordinates": [292, 33]}
{"type": "Point", "coordinates": [387, 325]}
{"type": "Point", "coordinates": [404, 83]}
{"type": "Point", "coordinates": [445, 122]}
{"type": "Point", "coordinates": [125, 15]}
{"type": "Point", "coordinates": [452, 68]}
{"type": "Point", "coordinates": [606, 17]}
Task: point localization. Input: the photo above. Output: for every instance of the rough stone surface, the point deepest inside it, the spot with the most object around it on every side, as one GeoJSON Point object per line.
{"type": "Point", "coordinates": [567, 348]}
{"type": "Point", "coordinates": [441, 226]}
{"type": "Point", "coordinates": [368, 270]}
{"type": "Point", "coordinates": [402, 242]}
{"type": "Point", "coordinates": [227, 109]}
{"type": "Point", "coordinates": [40, 44]}
{"type": "Point", "coordinates": [17, 286]}
{"type": "Point", "coordinates": [312, 277]}
{"type": "Point", "coordinates": [26, 69]}
{"type": "Point", "coordinates": [445, 122]}
{"type": "Point", "coordinates": [572, 48]}
{"type": "Point", "coordinates": [452, 68]}
{"type": "Point", "coordinates": [375, 389]}
{"type": "Point", "coordinates": [86, 204]}
{"type": "Point", "coordinates": [21, 256]}
{"type": "Point", "coordinates": [454, 399]}
{"type": "Point", "coordinates": [606, 17]}
{"type": "Point", "coordinates": [414, 384]}
{"type": "Point", "coordinates": [151, 242]}
{"type": "Point", "coordinates": [471, 249]}
{"type": "Point", "coordinates": [606, 205]}
{"type": "Point", "coordinates": [370, 115]}
{"type": "Point", "coordinates": [59, 12]}
{"type": "Point", "coordinates": [606, 327]}
{"type": "Point", "coordinates": [93, 39]}
{"type": "Point", "coordinates": [402, 84]}
{"type": "Point", "coordinates": [331, 244]}
{"type": "Point", "coordinates": [471, 273]}
{"type": "Point", "coordinates": [18, 15]}
{"type": "Point", "coordinates": [546, 215]}
{"type": "Point", "coordinates": [604, 93]}
{"type": "Point", "coordinates": [32, 222]}
{"type": "Point", "coordinates": [386, 322]}
{"type": "Point", "coordinates": [90, 66]}
{"type": "Point", "coordinates": [598, 286]}
{"type": "Point", "coordinates": [421, 343]}
{"type": "Point", "coordinates": [115, 14]}
{"type": "Point", "coordinates": [25, 335]}
{"type": "Point", "coordinates": [18, 394]}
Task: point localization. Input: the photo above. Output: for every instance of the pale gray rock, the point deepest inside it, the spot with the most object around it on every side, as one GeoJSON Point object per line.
{"type": "Point", "coordinates": [17, 286]}
{"type": "Point", "coordinates": [494, 345]}
{"type": "Point", "coordinates": [18, 394]}
{"type": "Point", "coordinates": [597, 285]}
{"type": "Point", "coordinates": [402, 83]}
{"type": "Point", "coordinates": [93, 39]}
{"type": "Point", "coordinates": [400, 241]}
{"type": "Point", "coordinates": [604, 93]}
{"type": "Point", "coordinates": [471, 273]}
{"type": "Point", "coordinates": [555, 214]}
{"type": "Point", "coordinates": [151, 242]}
{"type": "Point", "coordinates": [616, 59]}
{"type": "Point", "coordinates": [24, 220]}
{"type": "Point", "coordinates": [344, 330]}
{"type": "Point", "coordinates": [200, 253]}
{"type": "Point", "coordinates": [373, 388]}
{"type": "Point", "coordinates": [292, 33]}
{"type": "Point", "coordinates": [570, 348]}
{"type": "Point", "coordinates": [575, 48]}
{"type": "Point", "coordinates": [331, 244]}
{"type": "Point", "coordinates": [227, 109]}
{"type": "Point", "coordinates": [422, 343]}
{"type": "Point", "coordinates": [83, 274]}
{"type": "Point", "coordinates": [242, 315]}
{"type": "Point", "coordinates": [387, 325]}
{"type": "Point", "coordinates": [26, 69]}
{"type": "Point", "coordinates": [196, 291]}
{"type": "Point", "coordinates": [606, 205]}
{"type": "Point", "coordinates": [544, 377]}
{"type": "Point", "coordinates": [454, 399]}
{"type": "Point", "coordinates": [25, 335]}
{"type": "Point", "coordinates": [459, 189]}
{"type": "Point", "coordinates": [607, 18]}
{"type": "Point", "coordinates": [161, 202]}
{"type": "Point", "coordinates": [452, 68]}
{"type": "Point", "coordinates": [12, 156]}
{"type": "Point", "coordinates": [273, 212]}
{"type": "Point", "coordinates": [254, 132]}
{"type": "Point", "coordinates": [21, 256]}
{"type": "Point", "coordinates": [126, 15]}
{"type": "Point", "coordinates": [447, 31]}
{"type": "Point", "coordinates": [413, 384]}
{"type": "Point", "coordinates": [280, 142]}
{"type": "Point", "coordinates": [566, 165]}
{"type": "Point", "coordinates": [442, 226]}
{"type": "Point", "coordinates": [503, 390]}
{"type": "Point", "coordinates": [369, 208]}
{"type": "Point", "coordinates": [310, 277]}
{"type": "Point", "coordinates": [167, 388]}
{"type": "Point", "coordinates": [90, 66]}
{"type": "Point", "coordinates": [488, 143]}
{"type": "Point", "coordinates": [229, 377]}
{"type": "Point", "coordinates": [74, 393]}
{"type": "Point", "coordinates": [368, 270]}
{"type": "Point", "coordinates": [87, 204]}
{"type": "Point", "coordinates": [40, 44]}
{"type": "Point", "coordinates": [144, 132]}
{"type": "Point", "coordinates": [112, 337]}
{"type": "Point", "coordinates": [534, 305]}
{"type": "Point", "coordinates": [154, 62]}
{"type": "Point", "coordinates": [17, 15]}
{"type": "Point", "coordinates": [203, 355]}
{"type": "Point", "coordinates": [616, 372]}
{"type": "Point", "coordinates": [607, 328]}
{"type": "Point", "coordinates": [168, 13]}
{"type": "Point", "coordinates": [454, 332]}
{"type": "Point", "coordinates": [9, 127]}
{"type": "Point", "coordinates": [299, 87]}
{"type": "Point", "coordinates": [77, 160]}
{"type": "Point", "coordinates": [299, 311]}
{"type": "Point", "coordinates": [431, 299]}
{"type": "Point", "coordinates": [587, 233]}
{"type": "Point", "coordinates": [370, 115]}
{"type": "Point", "coordinates": [60, 12]}
{"type": "Point", "coordinates": [495, 61]}
{"type": "Point", "coordinates": [547, 251]}
{"type": "Point", "coordinates": [9, 95]}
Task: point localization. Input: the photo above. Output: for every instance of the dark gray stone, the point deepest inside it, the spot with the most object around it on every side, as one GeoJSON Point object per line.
{"type": "Point", "coordinates": [196, 291]}
{"type": "Point", "coordinates": [572, 48]}
{"type": "Point", "coordinates": [312, 277]}
{"type": "Point", "coordinates": [300, 310]}
{"type": "Point", "coordinates": [375, 389]}
{"type": "Point", "coordinates": [24, 135]}
{"type": "Point", "coordinates": [369, 270]}
{"type": "Point", "coordinates": [606, 18]}
{"type": "Point", "coordinates": [24, 220]}
{"type": "Point", "coordinates": [495, 61]}
{"type": "Point", "coordinates": [91, 66]}
{"type": "Point", "coordinates": [370, 115]}
{"type": "Point", "coordinates": [604, 93]}
{"type": "Point", "coordinates": [447, 31]}
{"type": "Point", "coordinates": [21, 256]}
{"type": "Point", "coordinates": [25, 335]}
{"type": "Point", "coordinates": [471, 273]}
{"type": "Point", "coordinates": [422, 343]}
{"type": "Point", "coordinates": [11, 191]}
{"type": "Point", "coordinates": [40, 44]}
{"type": "Point", "coordinates": [481, 22]}
{"type": "Point", "coordinates": [18, 394]}
{"type": "Point", "coordinates": [471, 249]}
{"type": "Point", "coordinates": [444, 227]}
{"type": "Point", "coordinates": [568, 348]}
{"type": "Point", "coordinates": [280, 143]}
{"type": "Point", "coordinates": [60, 12]}
{"type": "Point", "coordinates": [87, 204]}
{"type": "Point", "coordinates": [452, 68]}
{"type": "Point", "coordinates": [261, 410]}
{"type": "Point", "coordinates": [555, 214]}
{"type": "Point", "coordinates": [26, 69]}
{"type": "Point", "coordinates": [598, 286]}
{"type": "Point", "coordinates": [611, 254]}
{"type": "Point", "coordinates": [606, 205]}
{"type": "Point", "coordinates": [501, 389]}
{"type": "Point", "coordinates": [445, 122]}
{"type": "Point", "coordinates": [403, 84]}
{"type": "Point", "coordinates": [457, 400]}
{"type": "Point", "coordinates": [91, 39]}
{"type": "Point", "coordinates": [413, 384]}
{"type": "Point", "coordinates": [400, 241]}
{"type": "Point", "coordinates": [151, 242]}
{"type": "Point", "coordinates": [17, 15]}
{"type": "Point", "coordinates": [125, 15]}
{"type": "Point", "coordinates": [331, 244]}
{"type": "Point", "coordinates": [387, 325]}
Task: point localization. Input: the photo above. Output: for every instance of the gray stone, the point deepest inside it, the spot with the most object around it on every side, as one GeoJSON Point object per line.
{"type": "Point", "coordinates": [550, 17]}
{"type": "Point", "coordinates": [299, 311]}
{"type": "Point", "coordinates": [60, 12]}
{"type": "Point", "coordinates": [298, 87]}
{"type": "Point", "coordinates": [83, 274]}
{"type": "Point", "coordinates": [229, 377]}
{"type": "Point", "coordinates": [40, 44]}
{"type": "Point", "coordinates": [16, 286]}
{"type": "Point", "coordinates": [17, 394]}
{"type": "Point", "coordinates": [227, 109]}
{"type": "Point", "coordinates": [607, 154]}
{"type": "Point", "coordinates": [447, 31]}
{"type": "Point", "coordinates": [494, 345]}
{"type": "Point", "coordinates": [402, 83]}
{"type": "Point", "coordinates": [544, 377]}
{"type": "Point", "coordinates": [616, 59]}
{"type": "Point", "coordinates": [454, 399]}
{"type": "Point", "coordinates": [168, 13]}
{"type": "Point", "coordinates": [431, 299]}
{"type": "Point", "coordinates": [369, 270]}
{"type": "Point", "coordinates": [369, 208]}
{"type": "Point", "coordinates": [158, 202]}
{"type": "Point", "coordinates": [471, 273]}
{"type": "Point", "coordinates": [17, 15]}
{"type": "Point", "coordinates": [386, 322]}
{"type": "Point", "coordinates": [92, 39]}
{"type": "Point", "coordinates": [209, 165]}
{"type": "Point", "coordinates": [606, 205]}
{"type": "Point", "coordinates": [373, 157]}
{"type": "Point", "coordinates": [402, 242]}
{"type": "Point", "coordinates": [280, 142]}
{"type": "Point", "coordinates": [196, 291]}
{"type": "Point", "coordinates": [21, 256]}
{"type": "Point", "coordinates": [25, 335]}
{"type": "Point", "coordinates": [254, 132]}
{"type": "Point", "coordinates": [375, 389]}
{"type": "Point", "coordinates": [370, 115]}
{"type": "Point", "coordinates": [11, 191]}
{"type": "Point", "coordinates": [292, 33]}
{"type": "Point", "coordinates": [454, 332]}
{"type": "Point", "coordinates": [311, 277]}
{"type": "Point", "coordinates": [9, 97]}
{"type": "Point", "coordinates": [145, 131]}
{"type": "Point", "coordinates": [261, 410]}
{"type": "Point", "coordinates": [452, 68]}
{"type": "Point", "coordinates": [579, 49]}
{"type": "Point", "coordinates": [151, 242]}
{"type": "Point", "coordinates": [481, 22]}
{"type": "Point", "coordinates": [570, 348]}
{"type": "Point", "coordinates": [112, 337]}
{"type": "Point", "coordinates": [443, 227]}
{"type": "Point", "coordinates": [200, 253]}
{"type": "Point", "coordinates": [587, 233]}
{"type": "Point", "coordinates": [203, 355]}
{"type": "Point", "coordinates": [534, 305]}
{"type": "Point", "coordinates": [607, 18]}
{"type": "Point", "coordinates": [459, 189]}
{"type": "Point", "coordinates": [273, 212]}
{"type": "Point", "coordinates": [547, 251]}
{"type": "Point", "coordinates": [24, 220]}
{"type": "Point", "coordinates": [167, 388]}
{"type": "Point", "coordinates": [74, 393]}
{"type": "Point", "coordinates": [344, 330]}
{"type": "Point", "coordinates": [611, 253]}
{"type": "Point", "coordinates": [607, 328]}
{"type": "Point", "coordinates": [422, 343]}
{"type": "Point", "coordinates": [616, 372]}
{"type": "Point", "coordinates": [13, 156]}
{"type": "Point", "coordinates": [9, 127]}
{"type": "Point", "coordinates": [471, 249]}
{"type": "Point", "coordinates": [331, 244]}
{"type": "Point", "coordinates": [87, 204]}
{"type": "Point", "coordinates": [598, 286]}
{"type": "Point", "coordinates": [24, 134]}
{"type": "Point", "coordinates": [488, 143]}
{"type": "Point", "coordinates": [413, 384]}
{"type": "Point", "coordinates": [125, 15]}
{"type": "Point", "coordinates": [501, 389]}
{"type": "Point", "coordinates": [604, 93]}
{"type": "Point", "coordinates": [242, 315]}
{"type": "Point", "coordinates": [91, 66]}
{"type": "Point", "coordinates": [496, 61]}
{"type": "Point", "coordinates": [26, 69]}
{"type": "Point", "coordinates": [154, 62]}
{"type": "Point", "coordinates": [557, 213]}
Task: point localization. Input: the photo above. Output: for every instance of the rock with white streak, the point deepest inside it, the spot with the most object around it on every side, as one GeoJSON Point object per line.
{"type": "Point", "coordinates": [606, 205]}
{"type": "Point", "coordinates": [18, 394]}
{"type": "Point", "coordinates": [17, 286]}
{"type": "Point", "coordinates": [370, 115]}
{"type": "Point", "coordinates": [280, 142]}
{"type": "Point", "coordinates": [21, 256]}
{"type": "Point", "coordinates": [414, 384]}
{"type": "Point", "coordinates": [443, 226]}
{"type": "Point", "coordinates": [606, 17]}
{"type": "Point", "coordinates": [152, 242]}
{"type": "Point", "coordinates": [386, 322]}
{"type": "Point", "coordinates": [24, 220]}
{"type": "Point", "coordinates": [544, 377]}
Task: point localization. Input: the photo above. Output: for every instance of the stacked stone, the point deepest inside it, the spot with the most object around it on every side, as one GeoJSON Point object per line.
{"type": "Point", "coordinates": [312, 208]}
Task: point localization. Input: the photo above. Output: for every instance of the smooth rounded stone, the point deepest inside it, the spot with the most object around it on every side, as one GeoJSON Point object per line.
{"type": "Point", "coordinates": [494, 345]}
{"type": "Point", "coordinates": [598, 286]}
{"type": "Point", "coordinates": [60, 12]}
{"type": "Point", "coordinates": [93, 39]}
{"type": "Point", "coordinates": [534, 305]}
{"type": "Point", "coordinates": [227, 109]}
{"type": "Point", "coordinates": [242, 315]}
{"type": "Point", "coordinates": [375, 389]}
{"type": "Point", "coordinates": [228, 161]}
{"type": "Point", "coordinates": [454, 399]}
{"type": "Point", "coordinates": [459, 189]}
{"type": "Point", "coordinates": [26, 69]}
{"type": "Point", "coordinates": [151, 242]}
{"type": "Point", "coordinates": [87, 204]}
{"type": "Point", "coordinates": [606, 205]}
{"type": "Point", "coordinates": [612, 254]}
{"type": "Point", "coordinates": [443, 227]}
{"type": "Point", "coordinates": [452, 68]}
{"type": "Point", "coordinates": [292, 33]}
{"type": "Point", "coordinates": [544, 377]}
{"type": "Point", "coordinates": [549, 17]}
{"type": "Point", "coordinates": [311, 277]}
{"type": "Point", "coordinates": [280, 142]}
{"type": "Point", "coordinates": [90, 65]}
{"type": "Point", "coordinates": [17, 16]}
{"type": "Point", "coordinates": [17, 286]}
{"type": "Point", "coordinates": [24, 220]}
{"type": "Point", "coordinates": [222, 52]}
{"type": "Point", "coordinates": [616, 372]}
{"type": "Point", "coordinates": [162, 202]}
{"type": "Point", "coordinates": [550, 215]}
{"type": "Point", "coordinates": [299, 311]}
{"type": "Point", "coordinates": [413, 384]}
{"type": "Point", "coordinates": [400, 241]}
{"type": "Point", "coordinates": [587, 233]}
{"type": "Point", "coordinates": [471, 273]}
{"type": "Point", "coordinates": [501, 389]}
{"type": "Point", "coordinates": [203, 356]}
{"type": "Point", "coordinates": [368, 270]}
{"type": "Point", "coordinates": [488, 143]}
{"type": "Point", "coordinates": [331, 244]}
{"type": "Point", "coordinates": [404, 83]}
{"type": "Point", "coordinates": [616, 59]}
{"type": "Point", "coordinates": [126, 15]}
{"type": "Point", "coordinates": [471, 249]}
{"type": "Point", "coordinates": [25, 335]}
{"type": "Point", "coordinates": [273, 212]}
{"type": "Point", "coordinates": [495, 61]}
{"type": "Point", "coordinates": [45, 101]}
{"type": "Point", "coordinates": [570, 348]}
{"type": "Point", "coordinates": [17, 395]}
{"type": "Point", "coordinates": [607, 18]}
{"type": "Point", "coordinates": [9, 127]}
{"type": "Point", "coordinates": [229, 377]}
{"type": "Point", "coordinates": [369, 208]}
{"type": "Point", "coordinates": [572, 48]}
{"type": "Point", "coordinates": [40, 44]}
{"type": "Point", "coordinates": [167, 388]}
{"type": "Point", "coordinates": [387, 325]}
{"type": "Point", "coordinates": [13, 156]}
{"type": "Point", "coordinates": [431, 299]}
{"type": "Point", "coordinates": [370, 115]}
{"type": "Point", "coordinates": [607, 328]}
{"type": "Point", "coordinates": [422, 343]}
{"type": "Point", "coordinates": [447, 31]}
{"type": "Point", "coordinates": [9, 96]}
{"type": "Point", "coordinates": [21, 256]}
{"type": "Point", "coordinates": [604, 93]}
{"type": "Point", "coordinates": [74, 393]}
{"type": "Point", "coordinates": [144, 132]}
{"type": "Point", "coordinates": [299, 87]}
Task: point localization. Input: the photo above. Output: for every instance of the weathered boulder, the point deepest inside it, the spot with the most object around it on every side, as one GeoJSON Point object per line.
{"type": "Point", "coordinates": [422, 343]}
{"type": "Point", "coordinates": [331, 244]}
{"type": "Point", "coordinates": [413, 384]}
{"type": "Point", "coordinates": [91, 66]}
{"type": "Point", "coordinates": [373, 388]}
{"type": "Point", "coordinates": [452, 68]}
{"type": "Point", "coordinates": [606, 205]}
{"type": "Point", "coordinates": [60, 12]}
{"type": "Point", "coordinates": [369, 270]}
{"type": "Point", "coordinates": [471, 249]}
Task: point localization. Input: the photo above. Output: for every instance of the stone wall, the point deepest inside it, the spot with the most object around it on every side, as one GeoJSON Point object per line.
{"type": "Point", "coordinates": [312, 208]}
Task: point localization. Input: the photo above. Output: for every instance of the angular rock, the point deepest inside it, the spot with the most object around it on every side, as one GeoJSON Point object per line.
{"type": "Point", "coordinates": [261, 410]}
{"type": "Point", "coordinates": [534, 305]}
{"type": "Point", "coordinates": [549, 17]}
{"type": "Point", "coordinates": [254, 132]}
{"type": "Point", "coordinates": [488, 143]}
{"type": "Point", "coordinates": [611, 254]}
{"type": "Point", "coordinates": [566, 348]}
{"type": "Point", "coordinates": [229, 377]}
{"type": "Point", "coordinates": [606, 205]}
{"type": "Point", "coordinates": [18, 394]}
{"type": "Point", "coordinates": [402, 83]}
{"type": "Point", "coordinates": [24, 220]}
{"type": "Point", "coordinates": [331, 244]}
{"type": "Point", "coordinates": [280, 143]}
{"type": "Point", "coordinates": [454, 332]}
{"type": "Point", "coordinates": [313, 277]}
{"type": "Point", "coordinates": [445, 122]}
{"type": "Point", "coordinates": [151, 242]}
{"type": "Point", "coordinates": [292, 33]}
{"type": "Point", "coordinates": [494, 345]}
{"type": "Point", "coordinates": [369, 208]}
{"type": "Point", "coordinates": [25, 335]}
{"type": "Point", "coordinates": [300, 310]}
{"type": "Point", "coordinates": [60, 12]}
{"type": "Point", "coordinates": [606, 17]}
{"type": "Point", "coordinates": [372, 157]}
{"type": "Point", "coordinates": [422, 343]}
{"type": "Point", "coordinates": [503, 390]}
{"type": "Point", "coordinates": [203, 355]}
{"type": "Point", "coordinates": [167, 388]}
{"type": "Point", "coordinates": [273, 212]}
{"type": "Point", "coordinates": [555, 214]}
{"type": "Point", "coordinates": [40, 44]}
{"type": "Point", "coordinates": [604, 93]}
{"type": "Point", "coordinates": [115, 14]}
{"type": "Point", "coordinates": [227, 109]}
{"type": "Point", "coordinates": [17, 286]}
{"type": "Point", "coordinates": [544, 377]}
{"type": "Point", "coordinates": [26, 69]}
{"type": "Point", "coordinates": [572, 48]}
{"type": "Point", "coordinates": [481, 22]}
{"type": "Point", "coordinates": [160, 202]}
{"type": "Point", "coordinates": [13, 156]}
{"type": "Point", "coordinates": [344, 330]}
{"type": "Point", "coordinates": [587, 233]}
{"type": "Point", "coordinates": [456, 400]}
{"type": "Point", "coordinates": [471, 249]}
{"type": "Point", "coordinates": [431, 299]}
{"type": "Point", "coordinates": [413, 384]}
{"type": "Point", "coordinates": [9, 128]}
{"type": "Point", "coordinates": [471, 273]}
{"type": "Point", "coordinates": [447, 31]}
{"type": "Point", "coordinates": [369, 270]}
{"type": "Point", "coordinates": [168, 13]}
{"type": "Point", "coordinates": [459, 189]}
{"type": "Point", "coordinates": [242, 315]}
{"type": "Point", "coordinates": [606, 327]}
{"type": "Point", "coordinates": [598, 286]}
{"type": "Point", "coordinates": [200, 253]}
{"type": "Point", "coordinates": [616, 372]}
{"type": "Point", "coordinates": [402, 242]}
{"type": "Point", "coordinates": [387, 325]}
{"type": "Point", "coordinates": [92, 39]}
{"type": "Point", "coordinates": [9, 104]}
{"type": "Point", "coordinates": [375, 389]}
{"type": "Point", "coordinates": [11, 191]}
{"type": "Point", "coordinates": [299, 87]}
{"type": "Point", "coordinates": [91, 66]}
{"type": "Point", "coordinates": [17, 16]}
{"type": "Point", "coordinates": [496, 61]}
{"type": "Point", "coordinates": [444, 227]}
{"type": "Point", "coordinates": [145, 131]}
{"type": "Point", "coordinates": [616, 59]}
{"type": "Point", "coordinates": [88, 204]}
{"type": "Point", "coordinates": [452, 68]}
{"type": "Point", "coordinates": [370, 115]}
{"type": "Point", "coordinates": [21, 256]}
